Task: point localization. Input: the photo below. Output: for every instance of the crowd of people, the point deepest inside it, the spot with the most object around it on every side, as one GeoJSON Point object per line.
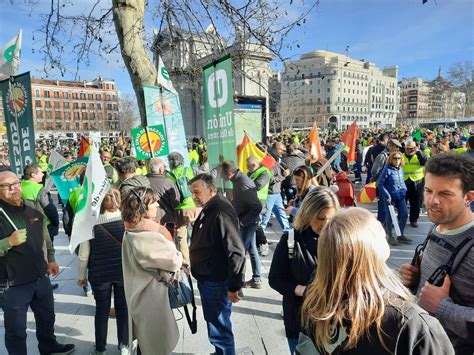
{"type": "Point", "coordinates": [161, 218]}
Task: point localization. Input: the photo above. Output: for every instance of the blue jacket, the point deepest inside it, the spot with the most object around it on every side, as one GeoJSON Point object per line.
{"type": "Point", "coordinates": [391, 183]}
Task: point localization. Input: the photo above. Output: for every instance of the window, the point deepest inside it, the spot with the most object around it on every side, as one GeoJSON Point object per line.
{"type": "Point", "coordinates": [90, 96]}
{"type": "Point", "coordinates": [98, 97]}
{"type": "Point", "coordinates": [91, 105]}
{"type": "Point", "coordinates": [48, 103]}
{"type": "Point", "coordinates": [74, 95]}
{"type": "Point", "coordinates": [46, 94]}
{"type": "Point", "coordinates": [65, 95]}
{"type": "Point", "coordinates": [76, 105]}
{"type": "Point", "coordinates": [328, 109]}
{"type": "Point", "coordinates": [83, 96]}
{"type": "Point", "coordinates": [328, 89]}
{"type": "Point", "coordinates": [37, 93]}
{"type": "Point", "coordinates": [66, 104]}
{"type": "Point", "coordinates": [56, 94]}
{"type": "Point", "coordinates": [83, 105]}
{"type": "Point", "coordinates": [56, 104]}
{"type": "Point", "coordinates": [99, 106]}
{"type": "Point", "coordinates": [37, 103]}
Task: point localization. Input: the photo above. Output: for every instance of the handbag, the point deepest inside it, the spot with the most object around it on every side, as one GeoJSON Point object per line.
{"type": "Point", "coordinates": [180, 294]}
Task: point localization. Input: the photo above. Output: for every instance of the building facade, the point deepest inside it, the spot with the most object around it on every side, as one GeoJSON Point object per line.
{"type": "Point", "coordinates": [426, 101]}
{"type": "Point", "coordinates": [75, 106]}
{"type": "Point", "coordinates": [185, 53]}
{"type": "Point", "coordinates": [334, 90]}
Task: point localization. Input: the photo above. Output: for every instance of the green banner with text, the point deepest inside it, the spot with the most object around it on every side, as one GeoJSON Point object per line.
{"type": "Point", "coordinates": [219, 111]}
{"type": "Point", "coordinates": [156, 141]}
{"type": "Point", "coordinates": [16, 96]}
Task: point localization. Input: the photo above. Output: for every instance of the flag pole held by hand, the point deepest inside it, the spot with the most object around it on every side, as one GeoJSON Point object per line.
{"type": "Point", "coordinates": [8, 219]}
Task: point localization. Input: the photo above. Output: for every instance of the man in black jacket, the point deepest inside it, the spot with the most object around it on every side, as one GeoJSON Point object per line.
{"type": "Point", "coordinates": [24, 271]}
{"type": "Point", "coordinates": [217, 260]}
{"type": "Point", "coordinates": [166, 192]}
{"type": "Point", "coordinates": [248, 208]}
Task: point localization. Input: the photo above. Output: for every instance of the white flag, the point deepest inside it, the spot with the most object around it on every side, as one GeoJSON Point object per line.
{"type": "Point", "coordinates": [56, 161]}
{"type": "Point", "coordinates": [10, 56]}
{"type": "Point", "coordinates": [94, 188]}
{"type": "Point", "coordinates": [163, 78]}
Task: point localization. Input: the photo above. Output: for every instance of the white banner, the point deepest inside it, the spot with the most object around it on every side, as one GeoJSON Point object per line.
{"type": "Point", "coordinates": [95, 187]}
{"type": "Point", "coordinates": [56, 161]}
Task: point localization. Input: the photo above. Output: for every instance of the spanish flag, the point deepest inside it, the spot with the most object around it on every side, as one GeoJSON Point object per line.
{"type": "Point", "coordinates": [84, 148]}
{"type": "Point", "coordinates": [247, 149]}
{"type": "Point", "coordinates": [314, 145]}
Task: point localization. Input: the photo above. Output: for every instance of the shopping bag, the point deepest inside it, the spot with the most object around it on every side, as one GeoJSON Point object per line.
{"type": "Point", "coordinates": [394, 218]}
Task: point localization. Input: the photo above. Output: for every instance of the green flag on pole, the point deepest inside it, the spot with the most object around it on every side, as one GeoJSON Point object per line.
{"type": "Point", "coordinates": [417, 135]}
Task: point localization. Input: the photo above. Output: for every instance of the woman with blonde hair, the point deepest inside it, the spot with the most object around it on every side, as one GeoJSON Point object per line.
{"type": "Point", "coordinates": [356, 304]}
{"type": "Point", "coordinates": [393, 191]}
{"type": "Point", "coordinates": [293, 266]}
{"type": "Point", "coordinates": [149, 258]}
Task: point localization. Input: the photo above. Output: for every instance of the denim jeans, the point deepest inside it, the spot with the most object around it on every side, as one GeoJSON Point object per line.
{"type": "Point", "coordinates": [39, 297]}
{"type": "Point", "coordinates": [102, 295]}
{"type": "Point", "coordinates": [248, 236]}
{"type": "Point", "coordinates": [292, 343]}
{"type": "Point", "coordinates": [402, 216]}
{"type": "Point", "coordinates": [358, 170]}
{"type": "Point", "coordinates": [275, 205]}
{"type": "Point", "coordinates": [217, 309]}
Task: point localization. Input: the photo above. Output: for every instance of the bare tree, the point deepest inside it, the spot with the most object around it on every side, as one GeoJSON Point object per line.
{"type": "Point", "coordinates": [128, 115]}
{"type": "Point", "coordinates": [462, 75]}
{"type": "Point", "coordinates": [267, 22]}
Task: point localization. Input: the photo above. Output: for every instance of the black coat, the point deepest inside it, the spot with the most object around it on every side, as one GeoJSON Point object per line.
{"type": "Point", "coordinates": [285, 274]}
{"type": "Point", "coordinates": [167, 196]}
{"type": "Point", "coordinates": [216, 251]}
{"type": "Point", "coordinates": [245, 201]}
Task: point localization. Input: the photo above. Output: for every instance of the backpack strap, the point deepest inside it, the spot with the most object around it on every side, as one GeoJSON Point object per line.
{"type": "Point", "coordinates": [192, 322]}
{"type": "Point", "coordinates": [291, 243]}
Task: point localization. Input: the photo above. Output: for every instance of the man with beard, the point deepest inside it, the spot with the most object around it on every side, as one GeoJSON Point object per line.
{"type": "Point", "coordinates": [443, 277]}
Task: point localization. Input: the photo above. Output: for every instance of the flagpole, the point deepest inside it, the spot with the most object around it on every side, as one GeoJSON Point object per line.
{"type": "Point", "coordinates": [149, 141]}
{"type": "Point", "coordinates": [277, 163]}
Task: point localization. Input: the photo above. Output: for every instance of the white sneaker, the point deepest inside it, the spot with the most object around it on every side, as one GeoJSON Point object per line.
{"type": "Point", "coordinates": [264, 249]}
{"type": "Point", "coordinates": [124, 351]}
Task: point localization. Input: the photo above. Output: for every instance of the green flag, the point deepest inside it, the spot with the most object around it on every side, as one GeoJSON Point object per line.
{"type": "Point", "coordinates": [417, 135]}
{"type": "Point", "coordinates": [219, 111]}
{"type": "Point", "coordinates": [10, 56]}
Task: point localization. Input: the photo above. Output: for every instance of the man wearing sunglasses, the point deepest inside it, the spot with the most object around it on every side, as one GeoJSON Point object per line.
{"type": "Point", "coordinates": [24, 270]}
{"type": "Point", "coordinates": [443, 278]}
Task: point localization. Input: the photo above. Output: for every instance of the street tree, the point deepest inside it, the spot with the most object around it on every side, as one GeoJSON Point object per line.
{"type": "Point", "coordinates": [106, 28]}
{"type": "Point", "coordinates": [461, 74]}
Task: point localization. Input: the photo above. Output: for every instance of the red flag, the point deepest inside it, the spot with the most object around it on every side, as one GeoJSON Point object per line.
{"type": "Point", "coordinates": [349, 139]}
{"type": "Point", "coordinates": [247, 149]}
{"type": "Point", "coordinates": [84, 148]}
{"type": "Point", "coordinates": [314, 146]}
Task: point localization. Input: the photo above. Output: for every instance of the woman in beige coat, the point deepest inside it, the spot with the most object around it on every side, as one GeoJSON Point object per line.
{"type": "Point", "coordinates": [148, 257]}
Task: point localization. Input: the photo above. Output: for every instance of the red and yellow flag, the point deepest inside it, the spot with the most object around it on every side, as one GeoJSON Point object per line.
{"type": "Point", "coordinates": [349, 139]}
{"type": "Point", "coordinates": [84, 148]}
{"type": "Point", "coordinates": [314, 145]}
{"type": "Point", "coordinates": [247, 149]}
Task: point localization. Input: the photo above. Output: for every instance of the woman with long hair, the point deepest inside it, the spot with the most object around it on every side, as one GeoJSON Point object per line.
{"type": "Point", "coordinates": [356, 304]}
{"type": "Point", "coordinates": [393, 191]}
{"type": "Point", "coordinates": [101, 260]}
{"type": "Point", "coordinates": [149, 258]}
{"type": "Point", "coordinates": [292, 268]}
{"type": "Point", "coordinates": [304, 184]}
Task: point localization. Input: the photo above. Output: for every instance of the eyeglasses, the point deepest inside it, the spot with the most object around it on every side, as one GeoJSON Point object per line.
{"type": "Point", "coordinates": [10, 187]}
{"type": "Point", "coordinates": [397, 158]}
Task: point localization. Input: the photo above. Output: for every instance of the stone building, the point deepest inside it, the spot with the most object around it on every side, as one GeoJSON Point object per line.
{"type": "Point", "coordinates": [335, 90]}
{"type": "Point", "coordinates": [185, 53]}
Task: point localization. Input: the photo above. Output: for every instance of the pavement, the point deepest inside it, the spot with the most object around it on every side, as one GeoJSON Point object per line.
{"type": "Point", "coordinates": [256, 319]}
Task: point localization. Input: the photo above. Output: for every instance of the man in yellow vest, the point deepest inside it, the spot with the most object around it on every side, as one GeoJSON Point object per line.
{"type": "Point", "coordinates": [413, 168]}
{"type": "Point", "coordinates": [187, 210]}
{"type": "Point", "coordinates": [32, 189]}
{"type": "Point", "coordinates": [261, 176]}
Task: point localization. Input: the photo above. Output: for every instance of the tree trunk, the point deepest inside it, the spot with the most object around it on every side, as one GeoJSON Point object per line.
{"type": "Point", "coordinates": [128, 19]}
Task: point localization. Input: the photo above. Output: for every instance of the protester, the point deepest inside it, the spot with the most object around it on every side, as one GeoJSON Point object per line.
{"type": "Point", "coordinates": [24, 271]}
{"type": "Point", "coordinates": [413, 162]}
{"type": "Point", "coordinates": [261, 176]}
{"type": "Point", "coordinates": [149, 256]}
{"type": "Point", "coordinates": [356, 304]}
{"type": "Point", "coordinates": [248, 208]}
{"type": "Point", "coordinates": [391, 184]}
{"type": "Point", "coordinates": [100, 263]}
{"type": "Point", "coordinates": [291, 271]}
{"type": "Point", "coordinates": [293, 158]}
{"type": "Point", "coordinates": [449, 192]}
{"type": "Point", "coordinates": [304, 185]}
{"type": "Point", "coordinates": [275, 201]}
{"type": "Point", "coordinates": [373, 152]}
{"type": "Point", "coordinates": [129, 180]}
{"type": "Point", "coordinates": [106, 158]}
{"type": "Point", "coordinates": [217, 261]}
{"type": "Point", "coordinates": [167, 194]}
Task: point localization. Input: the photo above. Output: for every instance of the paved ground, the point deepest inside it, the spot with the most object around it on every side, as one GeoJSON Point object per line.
{"type": "Point", "coordinates": [257, 323]}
